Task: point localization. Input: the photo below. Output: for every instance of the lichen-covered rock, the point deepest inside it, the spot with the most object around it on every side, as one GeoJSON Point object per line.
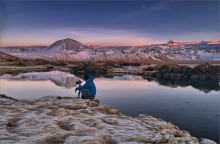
{"type": "Point", "coordinates": [69, 120]}
{"type": "Point", "coordinates": [93, 103]}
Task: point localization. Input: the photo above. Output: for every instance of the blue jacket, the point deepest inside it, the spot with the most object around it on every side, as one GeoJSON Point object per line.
{"type": "Point", "coordinates": [89, 85]}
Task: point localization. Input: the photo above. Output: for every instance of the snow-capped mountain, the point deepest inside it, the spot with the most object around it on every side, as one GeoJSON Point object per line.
{"type": "Point", "coordinates": [66, 45]}
{"type": "Point", "coordinates": [72, 50]}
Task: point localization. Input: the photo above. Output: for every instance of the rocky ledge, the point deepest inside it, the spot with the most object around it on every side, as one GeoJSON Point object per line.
{"type": "Point", "coordinates": [68, 120]}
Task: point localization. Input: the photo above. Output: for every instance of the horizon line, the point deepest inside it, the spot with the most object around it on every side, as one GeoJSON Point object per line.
{"type": "Point", "coordinates": [99, 45]}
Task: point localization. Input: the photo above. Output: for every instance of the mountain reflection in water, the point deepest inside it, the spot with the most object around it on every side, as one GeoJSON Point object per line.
{"type": "Point", "coordinates": [59, 78]}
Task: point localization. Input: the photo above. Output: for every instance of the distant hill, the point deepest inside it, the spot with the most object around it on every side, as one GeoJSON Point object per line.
{"type": "Point", "coordinates": [4, 56]}
{"type": "Point", "coordinates": [65, 45]}
{"type": "Point", "coordinates": [72, 50]}
{"type": "Point", "coordinates": [6, 59]}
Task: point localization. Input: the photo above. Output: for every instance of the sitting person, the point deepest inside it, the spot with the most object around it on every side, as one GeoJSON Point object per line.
{"type": "Point", "coordinates": [88, 90]}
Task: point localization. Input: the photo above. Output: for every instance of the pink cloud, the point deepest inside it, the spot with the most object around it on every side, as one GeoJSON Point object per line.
{"type": "Point", "coordinates": [73, 33]}
{"type": "Point", "coordinates": [117, 41]}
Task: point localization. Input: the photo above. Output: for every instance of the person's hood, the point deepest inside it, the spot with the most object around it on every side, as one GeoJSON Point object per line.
{"type": "Point", "coordinates": [91, 78]}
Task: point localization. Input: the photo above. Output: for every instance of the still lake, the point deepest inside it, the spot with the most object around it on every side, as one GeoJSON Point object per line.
{"type": "Point", "coordinates": [191, 106]}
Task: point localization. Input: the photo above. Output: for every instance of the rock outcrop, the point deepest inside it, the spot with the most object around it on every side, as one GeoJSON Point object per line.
{"type": "Point", "coordinates": [91, 68]}
{"type": "Point", "coordinates": [173, 71]}
{"type": "Point", "coordinates": [70, 120]}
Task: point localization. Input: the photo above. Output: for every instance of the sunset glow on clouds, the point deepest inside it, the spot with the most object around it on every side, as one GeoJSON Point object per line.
{"type": "Point", "coordinates": [103, 37]}
{"type": "Point", "coordinates": [108, 23]}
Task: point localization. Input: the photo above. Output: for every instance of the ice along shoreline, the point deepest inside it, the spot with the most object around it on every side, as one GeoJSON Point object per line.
{"type": "Point", "coordinates": [55, 119]}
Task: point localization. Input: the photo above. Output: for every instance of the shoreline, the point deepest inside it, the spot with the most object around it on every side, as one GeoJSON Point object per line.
{"type": "Point", "coordinates": [55, 119]}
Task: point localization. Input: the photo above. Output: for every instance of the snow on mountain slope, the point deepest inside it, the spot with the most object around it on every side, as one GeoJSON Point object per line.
{"type": "Point", "coordinates": [72, 50]}
{"type": "Point", "coordinates": [66, 45]}
{"type": "Point", "coordinates": [22, 49]}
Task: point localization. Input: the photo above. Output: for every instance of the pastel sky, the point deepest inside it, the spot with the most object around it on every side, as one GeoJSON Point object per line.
{"type": "Point", "coordinates": [108, 22]}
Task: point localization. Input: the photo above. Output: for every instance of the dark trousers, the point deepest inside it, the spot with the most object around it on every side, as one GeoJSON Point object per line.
{"type": "Point", "coordinates": [86, 94]}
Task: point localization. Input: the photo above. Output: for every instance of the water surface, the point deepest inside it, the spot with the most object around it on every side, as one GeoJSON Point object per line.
{"type": "Point", "coordinates": [193, 107]}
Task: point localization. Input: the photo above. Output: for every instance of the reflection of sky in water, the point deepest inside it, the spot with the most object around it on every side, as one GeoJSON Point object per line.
{"type": "Point", "coordinates": [191, 109]}
{"type": "Point", "coordinates": [32, 89]}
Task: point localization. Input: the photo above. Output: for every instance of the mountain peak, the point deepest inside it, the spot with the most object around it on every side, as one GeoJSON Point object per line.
{"type": "Point", "coordinates": [213, 42]}
{"type": "Point", "coordinates": [66, 44]}
{"type": "Point", "coordinates": [171, 42]}
{"type": "Point", "coordinates": [68, 39]}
